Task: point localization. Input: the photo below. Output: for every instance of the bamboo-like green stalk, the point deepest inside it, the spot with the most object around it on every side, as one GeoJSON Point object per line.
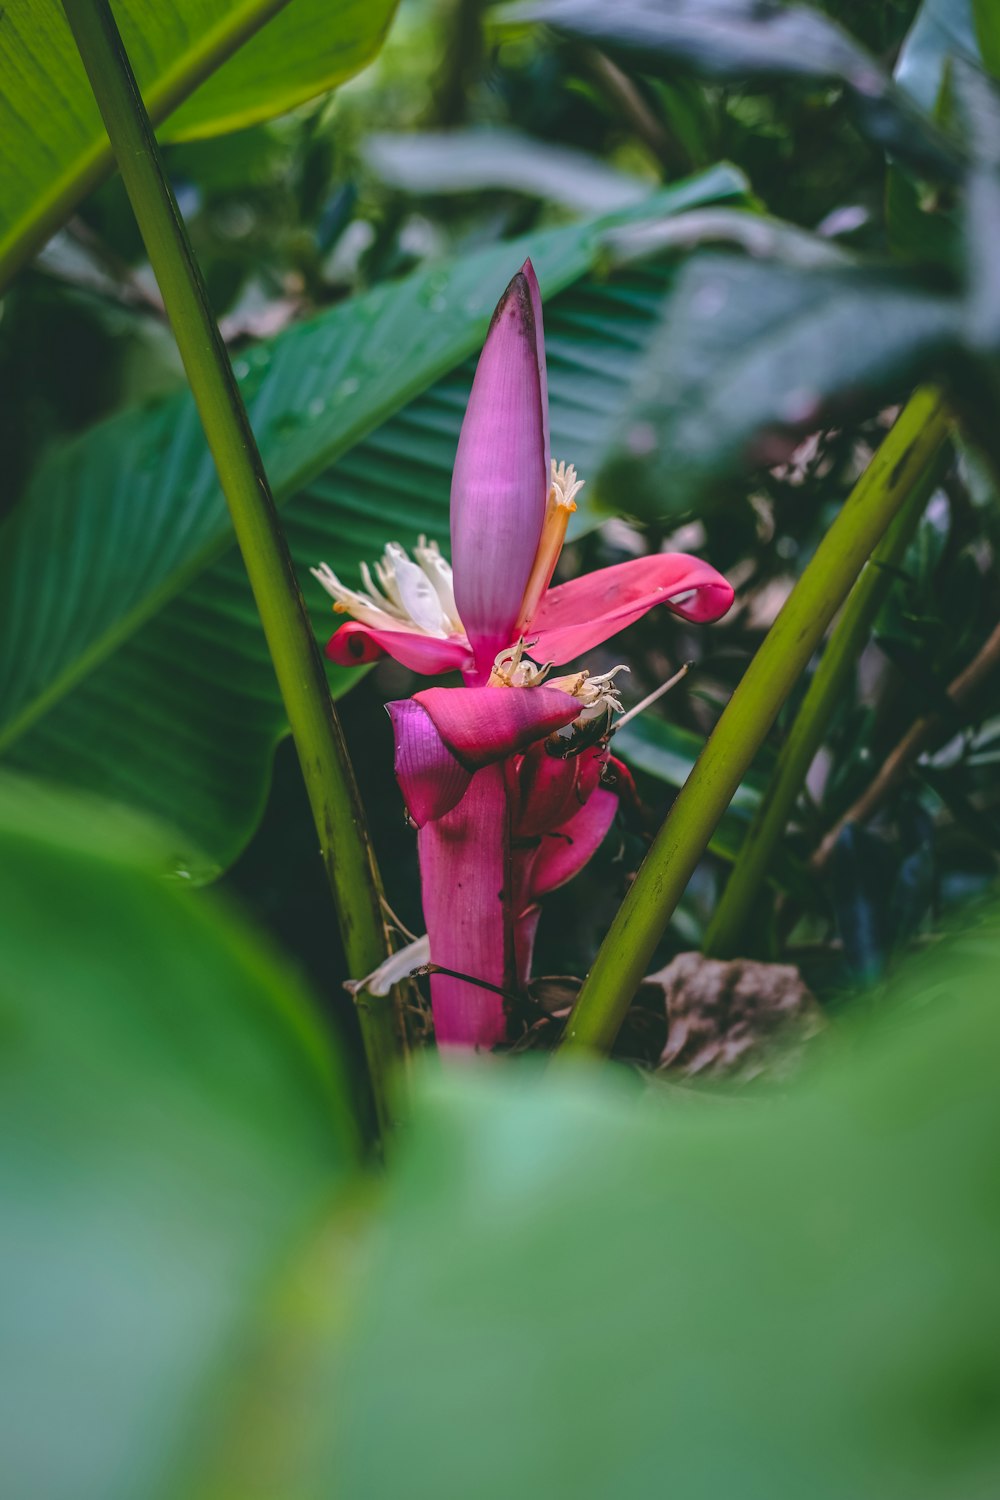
{"type": "Point", "coordinates": [883, 489]}
{"type": "Point", "coordinates": [326, 768]}
{"type": "Point", "coordinates": [746, 885]}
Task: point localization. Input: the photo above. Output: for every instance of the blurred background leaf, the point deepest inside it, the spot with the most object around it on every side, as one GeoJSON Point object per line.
{"type": "Point", "coordinates": [736, 39]}
{"type": "Point", "coordinates": [750, 357]}
{"type": "Point", "coordinates": [942, 29]}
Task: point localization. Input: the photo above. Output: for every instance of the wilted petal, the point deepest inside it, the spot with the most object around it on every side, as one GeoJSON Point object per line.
{"type": "Point", "coordinates": [355, 644]}
{"type": "Point", "coordinates": [501, 476]}
{"type": "Point", "coordinates": [397, 966]}
{"type": "Point", "coordinates": [482, 725]}
{"type": "Point", "coordinates": [580, 614]}
{"type": "Point", "coordinates": [565, 851]}
{"type": "Point", "coordinates": [429, 776]}
{"type": "Point", "coordinates": [465, 880]}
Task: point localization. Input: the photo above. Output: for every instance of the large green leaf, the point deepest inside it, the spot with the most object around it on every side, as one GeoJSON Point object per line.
{"type": "Point", "coordinates": [750, 356]}
{"type": "Point", "coordinates": [171, 1121]}
{"type": "Point", "coordinates": [181, 715]}
{"type": "Point", "coordinates": [53, 147]}
{"type": "Point", "coordinates": [580, 1290]}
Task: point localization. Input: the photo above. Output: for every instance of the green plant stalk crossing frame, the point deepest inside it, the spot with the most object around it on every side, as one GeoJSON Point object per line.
{"type": "Point", "coordinates": [745, 885]}
{"type": "Point", "coordinates": [326, 768]}
{"type": "Point", "coordinates": [623, 959]}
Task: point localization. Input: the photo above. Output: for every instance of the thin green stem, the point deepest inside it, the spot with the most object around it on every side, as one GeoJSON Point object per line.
{"type": "Point", "coordinates": [625, 954]}
{"type": "Point", "coordinates": [333, 795]}
{"type": "Point", "coordinates": [746, 885]}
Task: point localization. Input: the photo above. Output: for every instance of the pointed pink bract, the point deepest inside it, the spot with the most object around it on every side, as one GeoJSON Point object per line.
{"type": "Point", "coordinates": [501, 478]}
{"type": "Point", "coordinates": [566, 850]}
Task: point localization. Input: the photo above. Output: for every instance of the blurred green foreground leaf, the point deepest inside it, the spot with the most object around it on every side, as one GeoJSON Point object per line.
{"type": "Point", "coordinates": [570, 1285]}
{"type": "Point", "coordinates": [171, 1121]}
{"type": "Point", "coordinates": [580, 1291]}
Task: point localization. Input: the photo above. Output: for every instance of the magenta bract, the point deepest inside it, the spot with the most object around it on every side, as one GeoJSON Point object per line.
{"type": "Point", "coordinates": [506, 806]}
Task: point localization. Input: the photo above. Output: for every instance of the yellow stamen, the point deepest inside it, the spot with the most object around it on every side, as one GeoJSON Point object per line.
{"type": "Point", "coordinates": [559, 506]}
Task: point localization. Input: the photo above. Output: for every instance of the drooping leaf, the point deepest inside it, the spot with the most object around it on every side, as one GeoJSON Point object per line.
{"type": "Point", "coordinates": [757, 39]}
{"type": "Point", "coordinates": [53, 147]}
{"type": "Point", "coordinates": [734, 377]}
{"type": "Point", "coordinates": [171, 1120]}
{"type": "Point", "coordinates": [107, 681]}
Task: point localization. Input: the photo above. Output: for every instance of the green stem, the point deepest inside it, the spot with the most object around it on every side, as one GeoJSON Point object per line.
{"type": "Point", "coordinates": [625, 954]}
{"type": "Point", "coordinates": [746, 885]}
{"type": "Point", "coordinates": [333, 795]}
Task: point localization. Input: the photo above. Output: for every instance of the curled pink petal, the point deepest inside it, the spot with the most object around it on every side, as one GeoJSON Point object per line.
{"type": "Point", "coordinates": [429, 776]}
{"type": "Point", "coordinates": [354, 644]}
{"type": "Point", "coordinates": [566, 850]}
{"type": "Point", "coordinates": [465, 880]}
{"type": "Point", "coordinates": [577, 615]}
{"type": "Point", "coordinates": [550, 790]}
{"type": "Point", "coordinates": [482, 725]}
{"type": "Point", "coordinates": [501, 480]}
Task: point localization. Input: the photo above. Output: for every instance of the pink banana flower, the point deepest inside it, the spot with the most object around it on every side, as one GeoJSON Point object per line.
{"type": "Point", "coordinates": [507, 778]}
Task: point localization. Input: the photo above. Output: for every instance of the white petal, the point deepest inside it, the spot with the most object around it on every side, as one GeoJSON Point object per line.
{"type": "Point", "coordinates": [419, 598]}
{"type": "Point", "coordinates": [438, 570]}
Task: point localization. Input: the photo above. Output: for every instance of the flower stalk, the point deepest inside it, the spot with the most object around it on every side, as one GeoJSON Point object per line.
{"type": "Point", "coordinates": [508, 780]}
{"type": "Point", "coordinates": [879, 495]}
{"type": "Point", "coordinates": [329, 779]}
